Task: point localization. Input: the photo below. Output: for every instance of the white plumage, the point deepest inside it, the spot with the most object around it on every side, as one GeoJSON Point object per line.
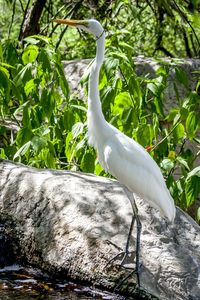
{"type": "Point", "coordinates": [119, 155]}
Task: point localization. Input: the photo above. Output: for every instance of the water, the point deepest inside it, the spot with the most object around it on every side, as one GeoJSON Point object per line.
{"type": "Point", "coordinates": [26, 283]}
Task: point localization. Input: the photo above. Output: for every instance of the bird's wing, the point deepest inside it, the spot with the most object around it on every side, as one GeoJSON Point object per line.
{"type": "Point", "coordinates": [131, 164]}
{"type": "Point", "coordinates": [136, 154]}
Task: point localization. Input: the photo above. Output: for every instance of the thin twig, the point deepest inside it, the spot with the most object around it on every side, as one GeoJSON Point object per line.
{"type": "Point", "coordinates": [152, 8]}
{"type": "Point", "coordinates": [43, 29]}
{"type": "Point", "coordinates": [24, 18]}
{"type": "Point", "coordinates": [187, 21]}
{"type": "Point", "coordinates": [60, 37]}
{"type": "Point", "coordinates": [126, 83]}
{"type": "Point", "coordinates": [22, 7]}
{"type": "Point", "coordinates": [180, 151]}
{"type": "Point", "coordinates": [69, 13]}
{"type": "Point", "coordinates": [12, 19]}
{"type": "Point", "coordinates": [161, 141]}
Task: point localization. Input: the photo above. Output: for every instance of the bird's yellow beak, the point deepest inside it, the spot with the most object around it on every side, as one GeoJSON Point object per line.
{"type": "Point", "coordinates": [71, 22]}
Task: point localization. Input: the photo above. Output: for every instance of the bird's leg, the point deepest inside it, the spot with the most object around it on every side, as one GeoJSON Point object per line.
{"type": "Point", "coordinates": [128, 239]}
{"type": "Point", "coordinates": [139, 228]}
{"type": "Point", "coordinates": [135, 217]}
{"type": "Point", "coordinates": [137, 249]}
{"type": "Point", "coordinates": [126, 252]}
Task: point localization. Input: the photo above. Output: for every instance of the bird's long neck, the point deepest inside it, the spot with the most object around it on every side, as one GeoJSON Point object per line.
{"type": "Point", "coordinates": [94, 104]}
{"type": "Point", "coordinates": [95, 117]}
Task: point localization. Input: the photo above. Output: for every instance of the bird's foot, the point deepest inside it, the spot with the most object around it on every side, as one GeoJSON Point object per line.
{"type": "Point", "coordinates": [136, 271]}
{"type": "Point", "coordinates": [124, 258]}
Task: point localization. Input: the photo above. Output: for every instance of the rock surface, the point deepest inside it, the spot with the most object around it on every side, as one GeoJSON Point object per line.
{"type": "Point", "coordinates": [71, 224]}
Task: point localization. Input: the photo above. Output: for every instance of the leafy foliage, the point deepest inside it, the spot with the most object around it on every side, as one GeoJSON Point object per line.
{"type": "Point", "coordinates": [35, 99]}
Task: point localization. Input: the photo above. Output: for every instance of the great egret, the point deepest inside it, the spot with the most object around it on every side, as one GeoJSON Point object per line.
{"type": "Point", "coordinates": [118, 154]}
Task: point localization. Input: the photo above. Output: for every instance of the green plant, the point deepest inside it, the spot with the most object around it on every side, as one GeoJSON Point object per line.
{"type": "Point", "coordinates": [51, 124]}
{"type": "Point", "coordinates": [32, 94]}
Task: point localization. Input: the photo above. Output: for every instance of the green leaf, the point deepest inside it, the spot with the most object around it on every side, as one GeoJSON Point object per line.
{"type": "Point", "coordinates": [48, 102]}
{"type": "Point", "coordinates": [24, 135]}
{"type": "Point", "coordinates": [2, 153]}
{"type": "Point", "coordinates": [5, 83]}
{"type": "Point", "coordinates": [23, 76]}
{"type": "Point", "coordinates": [110, 63]}
{"type": "Point", "coordinates": [126, 46]}
{"type": "Point", "coordinates": [99, 171]}
{"type": "Point", "coordinates": [107, 96]}
{"type": "Point", "coordinates": [68, 119]}
{"type": "Point", "coordinates": [45, 59]}
{"type": "Point", "coordinates": [22, 150]}
{"type": "Point", "coordinates": [30, 54]}
{"type": "Point", "coordinates": [178, 133]}
{"type": "Point", "coordinates": [192, 186]}
{"type": "Point", "coordinates": [194, 172]}
{"type": "Point", "coordinates": [77, 129]}
{"type": "Point", "coordinates": [51, 148]}
{"type": "Point", "coordinates": [1, 53]}
{"type": "Point", "coordinates": [183, 162]}
{"type": "Point", "coordinates": [122, 100]}
{"type": "Point", "coordinates": [62, 79]}
{"type": "Point", "coordinates": [5, 72]}
{"type": "Point", "coordinates": [120, 55]}
{"type": "Point", "coordinates": [88, 163]}
{"type": "Point", "coordinates": [183, 113]}
{"type": "Point", "coordinates": [80, 107]}
{"type": "Point", "coordinates": [80, 145]}
{"type": "Point", "coordinates": [159, 105]}
{"type": "Point", "coordinates": [38, 143]}
{"type": "Point", "coordinates": [31, 40]}
{"type": "Point", "coordinates": [182, 76]}
{"type": "Point", "coordinates": [143, 135]}
{"type": "Point", "coordinates": [192, 124]}
{"type": "Point", "coordinates": [167, 164]}
{"type": "Point", "coordinates": [135, 90]}
{"type": "Point", "coordinates": [21, 108]}
{"type": "Point", "coordinates": [198, 215]}
{"type": "Point", "coordinates": [68, 145]}
{"type": "Point", "coordinates": [42, 38]}
{"type": "Point", "coordinates": [172, 114]}
{"type": "Point", "coordinates": [152, 87]}
{"type": "Point", "coordinates": [26, 117]}
{"type": "Point", "coordinates": [29, 86]}
{"type": "Point", "coordinates": [35, 39]}
{"type": "Point", "coordinates": [127, 118]}
{"type": "Point", "coordinates": [50, 159]}
{"type": "Point", "coordinates": [46, 131]}
{"type": "Point", "coordinates": [192, 189]}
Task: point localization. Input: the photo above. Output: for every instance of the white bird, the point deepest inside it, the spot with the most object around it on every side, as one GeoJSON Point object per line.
{"type": "Point", "coordinates": [118, 154]}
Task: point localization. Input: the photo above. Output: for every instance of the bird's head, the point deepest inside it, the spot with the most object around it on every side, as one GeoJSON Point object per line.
{"type": "Point", "coordinates": [91, 25]}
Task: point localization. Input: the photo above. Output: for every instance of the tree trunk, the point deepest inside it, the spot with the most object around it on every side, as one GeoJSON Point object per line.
{"type": "Point", "coordinates": [30, 24]}
{"type": "Point", "coordinates": [71, 224]}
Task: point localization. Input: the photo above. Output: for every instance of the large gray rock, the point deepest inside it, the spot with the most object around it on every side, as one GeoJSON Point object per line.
{"type": "Point", "coordinates": [72, 223]}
